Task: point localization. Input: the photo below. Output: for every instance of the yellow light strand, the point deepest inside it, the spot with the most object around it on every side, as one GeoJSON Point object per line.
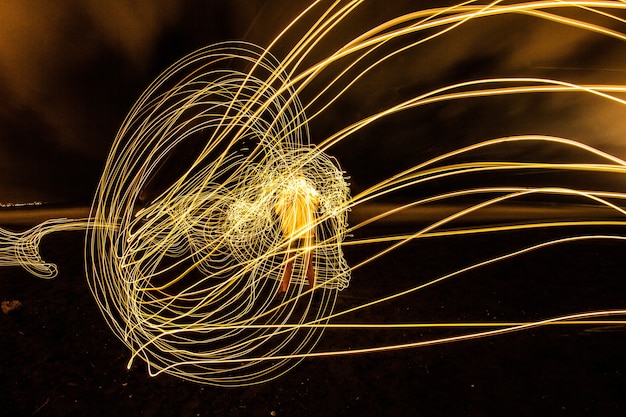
{"type": "Point", "coordinates": [185, 258]}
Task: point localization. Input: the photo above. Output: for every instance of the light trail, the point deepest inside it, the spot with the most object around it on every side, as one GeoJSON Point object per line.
{"type": "Point", "coordinates": [186, 248]}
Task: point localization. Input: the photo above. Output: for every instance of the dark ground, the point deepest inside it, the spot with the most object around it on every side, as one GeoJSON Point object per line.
{"type": "Point", "coordinates": [60, 359]}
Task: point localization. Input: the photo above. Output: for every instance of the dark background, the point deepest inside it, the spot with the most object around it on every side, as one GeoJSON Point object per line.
{"type": "Point", "coordinates": [70, 71]}
{"type": "Point", "coordinates": [60, 359]}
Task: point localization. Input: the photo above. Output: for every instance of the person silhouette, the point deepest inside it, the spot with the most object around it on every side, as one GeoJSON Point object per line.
{"type": "Point", "coordinates": [296, 208]}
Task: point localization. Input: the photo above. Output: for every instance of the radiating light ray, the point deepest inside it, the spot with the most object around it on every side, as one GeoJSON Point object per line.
{"type": "Point", "coordinates": [185, 251]}
{"type": "Point", "coordinates": [572, 318]}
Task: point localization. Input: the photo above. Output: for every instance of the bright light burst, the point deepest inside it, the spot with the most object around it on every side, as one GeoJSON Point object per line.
{"type": "Point", "coordinates": [185, 248]}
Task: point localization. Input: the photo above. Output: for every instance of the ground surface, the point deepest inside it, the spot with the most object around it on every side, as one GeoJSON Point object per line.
{"type": "Point", "coordinates": [60, 359]}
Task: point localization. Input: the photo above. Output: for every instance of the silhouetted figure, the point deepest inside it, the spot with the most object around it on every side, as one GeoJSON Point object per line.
{"type": "Point", "coordinates": [296, 207]}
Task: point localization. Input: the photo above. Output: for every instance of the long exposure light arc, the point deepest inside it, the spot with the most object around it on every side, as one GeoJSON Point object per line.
{"type": "Point", "coordinates": [185, 252]}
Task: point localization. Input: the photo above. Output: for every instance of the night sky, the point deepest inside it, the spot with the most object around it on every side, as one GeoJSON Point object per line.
{"type": "Point", "coordinates": [70, 70]}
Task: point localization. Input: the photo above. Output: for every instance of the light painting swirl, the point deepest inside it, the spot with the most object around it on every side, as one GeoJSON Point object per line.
{"type": "Point", "coordinates": [215, 246]}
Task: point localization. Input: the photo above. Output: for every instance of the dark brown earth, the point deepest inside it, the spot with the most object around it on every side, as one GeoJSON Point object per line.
{"type": "Point", "coordinates": [60, 359]}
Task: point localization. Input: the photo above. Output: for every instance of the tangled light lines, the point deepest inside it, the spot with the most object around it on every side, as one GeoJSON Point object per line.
{"type": "Point", "coordinates": [187, 243]}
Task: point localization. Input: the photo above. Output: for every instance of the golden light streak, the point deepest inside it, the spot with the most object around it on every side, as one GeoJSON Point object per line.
{"type": "Point", "coordinates": [190, 233]}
